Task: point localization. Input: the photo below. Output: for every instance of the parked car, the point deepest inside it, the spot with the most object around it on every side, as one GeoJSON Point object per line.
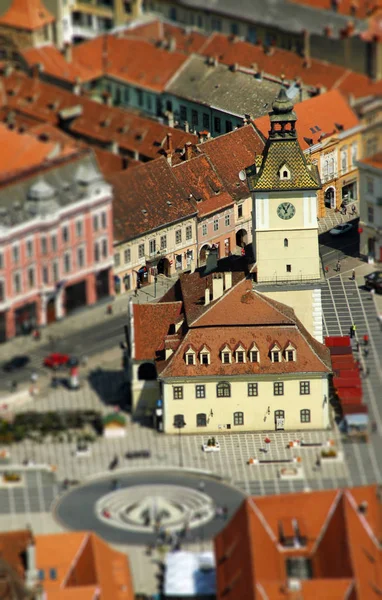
{"type": "Point", "coordinates": [56, 359]}
{"type": "Point", "coordinates": [341, 229]}
{"type": "Point", "coordinates": [373, 281]}
{"type": "Point", "coordinates": [17, 362]}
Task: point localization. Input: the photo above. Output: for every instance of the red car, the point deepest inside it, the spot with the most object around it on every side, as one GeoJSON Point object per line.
{"type": "Point", "coordinates": [56, 359]}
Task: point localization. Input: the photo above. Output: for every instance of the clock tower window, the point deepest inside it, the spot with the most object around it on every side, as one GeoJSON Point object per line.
{"type": "Point", "coordinates": [289, 268]}
{"type": "Point", "coordinates": [286, 242]}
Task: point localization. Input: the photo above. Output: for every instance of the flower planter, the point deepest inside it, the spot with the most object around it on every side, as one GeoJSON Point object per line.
{"type": "Point", "coordinates": [295, 444]}
{"type": "Point", "coordinates": [211, 448]}
{"type": "Point", "coordinates": [336, 456]}
{"type": "Point", "coordinates": [253, 461]}
{"type": "Point", "coordinates": [291, 472]}
{"type": "Point", "coordinates": [12, 480]}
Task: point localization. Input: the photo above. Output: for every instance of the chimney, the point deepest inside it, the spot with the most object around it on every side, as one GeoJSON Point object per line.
{"type": "Point", "coordinates": [170, 118]}
{"type": "Point", "coordinates": [77, 89]}
{"type": "Point", "coordinates": [172, 44]}
{"type": "Point", "coordinates": [188, 151]}
{"type": "Point", "coordinates": [186, 127]}
{"type": "Point", "coordinates": [227, 280]}
{"type": "Point", "coordinates": [68, 52]}
{"type": "Point", "coordinates": [31, 570]}
{"type": "Point", "coordinates": [169, 147]}
{"type": "Point", "coordinates": [36, 70]}
{"type": "Point", "coordinates": [217, 285]}
{"type": "Point", "coordinates": [168, 157]}
{"type": "Point", "coordinates": [207, 296]}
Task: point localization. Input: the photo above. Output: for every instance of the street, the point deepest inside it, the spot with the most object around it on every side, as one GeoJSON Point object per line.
{"type": "Point", "coordinates": [334, 248]}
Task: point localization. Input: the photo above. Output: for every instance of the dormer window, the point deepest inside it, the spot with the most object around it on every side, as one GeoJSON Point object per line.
{"type": "Point", "coordinates": [290, 353]}
{"type": "Point", "coordinates": [205, 356]}
{"type": "Point", "coordinates": [190, 356]}
{"type": "Point", "coordinates": [226, 355]}
{"type": "Point", "coordinates": [284, 172]}
{"type": "Point", "coordinates": [254, 355]}
{"type": "Point", "coordinates": [240, 354]}
{"type": "Point", "coordinates": [275, 353]}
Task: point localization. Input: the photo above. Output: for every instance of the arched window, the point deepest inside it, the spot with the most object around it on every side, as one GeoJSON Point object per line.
{"type": "Point", "coordinates": [201, 420]}
{"type": "Point", "coordinates": [147, 372]}
{"type": "Point", "coordinates": [305, 415]}
{"type": "Point", "coordinates": [223, 390]}
{"type": "Point", "coordinates": [286, 243]}
{"type": "Point", "coordinates": [238, 418]}
{"type": "Point", "coordinates": [285, 174]}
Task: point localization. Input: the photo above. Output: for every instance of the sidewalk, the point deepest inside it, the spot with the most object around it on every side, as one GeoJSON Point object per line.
{"type": "Point", "coordinates": [87, 317]}
{"type": "Point", "coordinates": [333, 218]}
{"type": "Point", "coordinates": [361, 269]}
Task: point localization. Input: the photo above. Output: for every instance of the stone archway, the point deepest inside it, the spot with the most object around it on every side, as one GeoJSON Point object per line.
{"type": "Point", "coordinates": [164, 267]}
{"type": "Point", "coordinates": [241, 238]}
{"type": "Point", "coordinates": [330, 197]}
{"type": "Point", "coordinates": [203, 254]}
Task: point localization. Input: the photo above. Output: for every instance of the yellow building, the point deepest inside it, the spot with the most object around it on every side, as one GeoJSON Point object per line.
{"type": "Point", "coordinates": [227, 358]}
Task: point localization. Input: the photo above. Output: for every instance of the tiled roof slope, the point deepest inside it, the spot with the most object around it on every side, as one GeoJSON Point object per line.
{"type": "Point", "coordinates": [342, 542]}
{"type": "Point", "coordinates": [24, 151]}
{"type": "Point", "coordinates": [32, 98]}
{"type": "Point", "coordinates": [170, 35]}
{"type": "Point", "coordinates": [151, 325]}
{"type": "Point", "coordinates": [232, 153]}
{"type": "Point", "coordinates": [243, 316]}
{"type": "Point", "coordinates": [132, 60]}
{"type": "Point", "coordinates": [146, 198]}
{"type": "Point", "coordinates": [26, 14]}
{"type": "Point", "coordinates": [304, 175]}
{"type": "Point", "coordinates": [54, 64]}
{"type": "Point", "coordinates": [279, 62]}
{"type": "Point", "coordinates": [203, 185]}
{"type": "Point", "coordinates": [330, 112]}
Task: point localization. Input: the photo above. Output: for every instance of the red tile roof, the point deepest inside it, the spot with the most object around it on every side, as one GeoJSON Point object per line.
{"type": "Point", "coordinates": [22, 151]}
{"type": "Point", "coordinates": [330, 112]}
{"type": "Point", "coordinates": [171, 36]}
{"type": "Point", "coordinates": [203, 185]}
{"type": "Point", "coordinates": [342, 543]}
{"type": "Point", "coordinates": [230, 154]}
{"type": "Point", "coordinates": [26, 14]}
{"type": "Point", "coordinates": [244, 316]}
{"type": "Point", "coordinates": [132, 60]}
{"type": "Point", "coordinates": [278, 62]}
{"type": "Point", "coordinates": [146, 198]}
{"type": "Point", "coordinates": [97, 123]}
{"type": "Point", "coordinates": [374, 161]}
{"type": "Point", "coordinates": [151, 326]}
{"type": "Point", "coordinates": [54, 64]}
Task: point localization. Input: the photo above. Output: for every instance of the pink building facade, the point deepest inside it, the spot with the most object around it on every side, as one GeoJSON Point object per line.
{"type": "Point", "coordinates": [56, 244]}
{"type": "Point", "coordinates": [217, 230]}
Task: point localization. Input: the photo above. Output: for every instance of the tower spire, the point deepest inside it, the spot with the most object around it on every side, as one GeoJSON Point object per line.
{"type": "Point", "coordinates": [282, 117]}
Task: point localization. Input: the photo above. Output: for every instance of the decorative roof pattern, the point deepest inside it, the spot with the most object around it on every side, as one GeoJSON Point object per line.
{"type": "Point", "coordinates": [303, 175]}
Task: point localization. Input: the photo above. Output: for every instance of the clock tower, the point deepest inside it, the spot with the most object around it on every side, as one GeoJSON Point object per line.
{"type": "Point", "coordinates": [284, 185]}
{"type": "Point", "coordinates": [284, 191]}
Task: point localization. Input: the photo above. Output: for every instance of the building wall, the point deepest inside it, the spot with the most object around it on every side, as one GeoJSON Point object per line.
{"type": "Point", "coordinates": [371, 213]}
{"type": "Point", "coordinates": [280, 243]}
{"type": "Point", "coordinates": [127, 260]}
{"type": "Point", "coordinates": [132, 96]}
{"type": "Point", "coordinates": [217, 229]}
{"type": "Point", "coordinates": [48, 263]}
{"type": "Point", "coordinates": [220, 411]}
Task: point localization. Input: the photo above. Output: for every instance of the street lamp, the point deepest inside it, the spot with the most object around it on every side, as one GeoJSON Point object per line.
{"type": "Point", "coordinates": [179, 423]}
{"type": "Point", "coordinates": [155, 285]}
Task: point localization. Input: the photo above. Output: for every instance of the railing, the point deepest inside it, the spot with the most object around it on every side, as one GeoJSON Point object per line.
{"type": "Point", "coordinates": [280, 280]}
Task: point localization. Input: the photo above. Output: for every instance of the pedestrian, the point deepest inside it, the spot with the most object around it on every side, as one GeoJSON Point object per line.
{"type": "Point", "coordinates": [14, 386]}
{"type": "Point", "coordinates": [353, 274]}
{"type": "Point", "coordinates": [202, 485]}
{"type": "Point", "coordinates": [353, 329]}
{"type": "Point", "coordinates": [136, 292]}
{"type": "Point", "coordinates": [365, 340]}
{"type": "Point", "coordinates": [345, 210]}
{"type": "Point", "coordinates": [380, 321]}
{"type": "Point", "coordinates": [366, 352]}
{"type": "Point", "coordinates": [34, 377]}
{"type": "Point", "coordinates": [225, 512]}
{"type": "Point", "coordinates": [338, 268]}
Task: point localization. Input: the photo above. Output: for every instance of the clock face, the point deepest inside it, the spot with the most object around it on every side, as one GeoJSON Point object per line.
{"type": "Point", "coordinates": [286, 210]}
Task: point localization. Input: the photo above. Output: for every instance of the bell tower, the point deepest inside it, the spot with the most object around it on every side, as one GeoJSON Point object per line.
{"type": "Point", "coordinates": [283, 184]}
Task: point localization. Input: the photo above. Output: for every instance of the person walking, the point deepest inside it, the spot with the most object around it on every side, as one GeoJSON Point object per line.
{"type": "Point", "coordinates": [365, 340]}
{"type": "Point", "coordinates": [353, 274]}
{"type": "Point", "coordinates": [338, 267]}
{"type": "Point", "coordinates": [353, 329]}
{"type": "Point", "coordinates": [366, 352]}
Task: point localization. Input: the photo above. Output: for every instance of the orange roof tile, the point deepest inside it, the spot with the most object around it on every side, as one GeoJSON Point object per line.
{"type": "Point", "coordinates": [278, 62]}
{"type": "Point", "coordinates": [22, 151]}
{"type": "Point", "coordinates": [203, 185]}
{"type": "Point", "coordinates": [54, 64]}
{"type": "Point", "coordinates": [152, 322]}
{"type": "Point", "coordinates": [27, 14]}
{"type": "Point", "coordinates": [373, 161]}
{"type": "Point", "coordinates": [170, 35]}
{"type": "Point", "coordinates": [130, 59]}
{"type": "Point", "coordinates": [322, 115]}
{"type": "Point", "coordinates": [342, 529]}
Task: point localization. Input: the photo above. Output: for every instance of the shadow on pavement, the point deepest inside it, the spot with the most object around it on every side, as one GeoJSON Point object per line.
{"type": "Point", "coordinates": [111, 387]}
